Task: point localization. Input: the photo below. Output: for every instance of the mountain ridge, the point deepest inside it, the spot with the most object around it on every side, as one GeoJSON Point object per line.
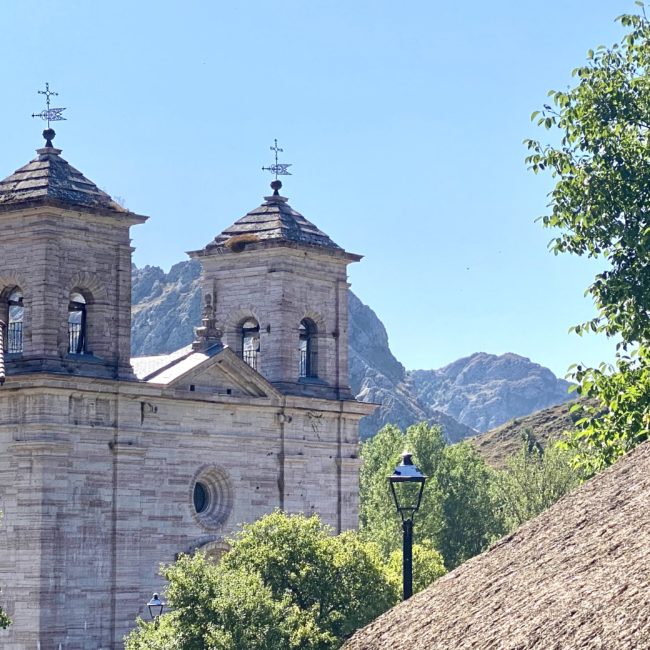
{"type": "Point", "coordinates": [466, 397]}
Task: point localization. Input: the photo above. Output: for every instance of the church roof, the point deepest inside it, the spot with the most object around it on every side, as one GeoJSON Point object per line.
{"type": "Point", "coordinates": [576, 576]}
{"type": "Point", "coordinates": [273, 221]}
{"type": "Point", "coordinates": [168, 369]}
{"type": "Point", "coordinates": [146, 367]}
{"type": "Point", "coordinates": [48, 178]}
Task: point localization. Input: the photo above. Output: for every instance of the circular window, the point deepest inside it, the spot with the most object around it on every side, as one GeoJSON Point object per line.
{"type": "Point", "coordinates": [200, 497]}
{"type": "Point", "coordinates": [212, 497]}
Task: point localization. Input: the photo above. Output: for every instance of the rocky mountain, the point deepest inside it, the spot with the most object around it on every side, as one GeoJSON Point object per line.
{"type": "Point", "coordinates": [377, 376]}
{"type": "Point", "coordinates": [166, 308]}
{"type": "Point", "coordinates": [483, 390]}
{"type": "Point", "coordinates": [466, 397]}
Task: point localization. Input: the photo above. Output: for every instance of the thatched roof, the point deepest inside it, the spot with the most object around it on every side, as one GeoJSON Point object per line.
{"type": "Point", "coordinates": [577, 576]}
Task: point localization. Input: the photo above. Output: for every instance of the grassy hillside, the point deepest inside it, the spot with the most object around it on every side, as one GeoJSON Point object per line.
{"type": "Point", "coordinates": [498, 444]}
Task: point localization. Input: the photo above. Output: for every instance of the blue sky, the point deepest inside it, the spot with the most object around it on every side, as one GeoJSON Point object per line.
{"type": "Point", "coordinates": [403, 121]}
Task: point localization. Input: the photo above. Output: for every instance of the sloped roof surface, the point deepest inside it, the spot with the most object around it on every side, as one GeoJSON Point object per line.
{"type": "Point", "coordinates": [166, 369]}
{"type": "Point", "coordinates": [577, 576]}
{"type": "Point", "coordinates": [275, 220]}
{"type": "Point", "coordinates": [145, 367]}
{"type": "Point", "coordinates": [50, 177]}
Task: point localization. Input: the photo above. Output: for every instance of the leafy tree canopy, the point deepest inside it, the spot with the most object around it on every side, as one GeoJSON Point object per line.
{"type": "Point", "coordinates": [466, 504]}
{"type": "Point", "coordinates": [217, 610]}
{"type": "Point", "coordinates": [458, 516]}
{"type": "Point", "coordinates": [428, 565]}
{"type": "Point", "coordinates": [601, 207]}
{"type": "Point", "coordinates": [340, 579]}
{"type": "Point", "coordinates": [534, 480]}
{"type": "Point", "coordinates": [287, 582]}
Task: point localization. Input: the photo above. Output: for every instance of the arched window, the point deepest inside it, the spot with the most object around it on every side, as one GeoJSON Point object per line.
{"type": "Point", "coordinates": [15, 322]}
{"type": "Point", "coordinates": [307, 343]}
{"type": "Point", "coordinates": [250, 342]}
{"type": "Point", "coordinates": [77, 325]}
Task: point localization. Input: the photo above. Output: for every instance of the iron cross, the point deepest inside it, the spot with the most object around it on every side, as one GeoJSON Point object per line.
{"type": "Point", "coordinates": [49, 114]}
{"type": "Point", "coordinates": [279, 169]}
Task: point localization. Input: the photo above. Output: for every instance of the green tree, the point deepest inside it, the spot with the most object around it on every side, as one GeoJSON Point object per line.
{"type": "Point", "coordinates": [534, 480]}
{"type": "Point", "coordinates": [471, 513]}
{"type": "Point", "coordinates": [287, 582]}
{"type": "Point", "coordinates": [378, 520]}
{"type": "Point", "coordinates": [340, 579]}
{"type": "Point", "coordinates": [601, 207]}
{"type": "Point", "coordinates": [428, 565]}
{"type": "Point", "coordinates": [458, 515]}
{"type": "Point", "coordinates": [216, 609]}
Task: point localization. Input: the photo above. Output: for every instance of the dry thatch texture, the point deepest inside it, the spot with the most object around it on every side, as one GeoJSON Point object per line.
{"type": "Point", "coordinates": [577, 576]}
{"type": "Point", "coordinates": [238, 242]}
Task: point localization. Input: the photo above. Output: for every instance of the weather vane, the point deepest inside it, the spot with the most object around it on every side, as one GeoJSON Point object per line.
{"type": "Point", "coordinates": [49, 114]}
{"type": "Point", "coordinates": [279, 169]}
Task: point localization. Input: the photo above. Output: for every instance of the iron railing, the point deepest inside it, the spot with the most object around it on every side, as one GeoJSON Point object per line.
{"type": "Point", "coordinates": [250, 357]}
{"type": "Point", "coordinates": [308, 363]}
{"type": "Point", "coordinates": [76, 337]}
{"type": "Point", "coordinates": [15, 337]}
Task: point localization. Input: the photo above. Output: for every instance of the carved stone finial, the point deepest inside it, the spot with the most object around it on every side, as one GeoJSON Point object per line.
{"type": "Point", "coordinates": [208, 308]}
{"type": "Point", "coordinates": [208, 333]}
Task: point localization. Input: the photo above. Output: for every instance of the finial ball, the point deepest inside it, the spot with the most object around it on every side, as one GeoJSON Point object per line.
{"type": "Point", "coordinates": [276, 185]}
{"type": "Point", "coordinates": [49, 134]}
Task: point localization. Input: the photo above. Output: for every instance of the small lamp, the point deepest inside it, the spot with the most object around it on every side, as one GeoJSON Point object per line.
{"type": "Point", "coordinates": [407, 484]}
{"type": "Point", "coordinates": [155, 606]}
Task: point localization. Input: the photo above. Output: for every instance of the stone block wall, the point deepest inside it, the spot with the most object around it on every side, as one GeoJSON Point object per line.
{"type": "Point", "coordinates": [48, 253]}
{"type": "Point", "coordinates": [97, 490]}
{"type": "Point", "coordinates": [279, 287]}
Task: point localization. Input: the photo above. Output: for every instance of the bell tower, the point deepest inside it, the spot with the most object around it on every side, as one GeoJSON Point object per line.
{"type": "Point", "coordinates": [65, 271]}
{"type": "Point", "coordinates": [280, 290]}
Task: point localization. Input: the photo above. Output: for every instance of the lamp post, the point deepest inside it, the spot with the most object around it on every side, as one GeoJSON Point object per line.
{"type": "Point", "coordinates": [155, 606]}
{"type": "Point", "coordinates": [407, 484]}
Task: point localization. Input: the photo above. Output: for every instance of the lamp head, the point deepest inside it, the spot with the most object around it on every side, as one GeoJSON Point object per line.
{"type": "Point", "coordinates": [155, 606]}
{"type": "Point", "coordinates": [407, 484]}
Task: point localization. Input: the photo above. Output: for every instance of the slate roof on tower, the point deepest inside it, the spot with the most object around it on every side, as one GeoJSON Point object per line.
{"type": "Point", "coordinates": [51, 179]}
{"type": "Point", "coordinates": [275, 221]}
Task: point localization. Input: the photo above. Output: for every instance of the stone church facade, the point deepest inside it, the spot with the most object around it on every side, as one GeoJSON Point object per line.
{"type": "Point", "coordinates": [111, 465]}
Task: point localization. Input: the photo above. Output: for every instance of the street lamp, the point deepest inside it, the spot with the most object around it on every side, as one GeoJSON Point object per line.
{"type": "Point", "coordinates": [407, 484]}
{"type": "Point", "coordinates": [155, 606]}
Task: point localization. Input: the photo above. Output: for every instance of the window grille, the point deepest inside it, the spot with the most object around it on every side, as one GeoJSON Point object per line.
{"type": "Point", "coordinates": [77, 324]}
{"type": "Point", "coordinates": [14, 343]}
{"type": "Point", "coordinates": [15, 337]}
{"type": "Point", "coordinates": [250, 342]}
{"type": "Point", "coordinates": [307, 346]}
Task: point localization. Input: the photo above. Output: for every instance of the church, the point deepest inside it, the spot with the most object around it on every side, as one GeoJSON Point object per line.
{"type": "Point", "coordinates": [111, 465]}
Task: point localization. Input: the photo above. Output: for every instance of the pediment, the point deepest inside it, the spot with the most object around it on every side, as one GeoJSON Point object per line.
{"type": "Point", "coordinates": [222, 372]}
